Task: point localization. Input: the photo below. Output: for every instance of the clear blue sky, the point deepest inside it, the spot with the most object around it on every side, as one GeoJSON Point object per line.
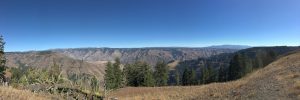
{"type": "Point", "coordinates": [46, 24]}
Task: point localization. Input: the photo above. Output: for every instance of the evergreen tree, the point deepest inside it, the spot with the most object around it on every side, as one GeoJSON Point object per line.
{"type": "Point", "coordinates": [139, 74]}
{"type": "Point", "coordinates": [161, 74]}
{"type": "Point", "coordinates": [240, 65]}
{"type": "Point", "coordinates": [189, 77]}
{"type": "Point", "coordinates": [185, 77]}
{"type": "Point", "coordinates": [212, 74]}
{"type": "Point", "coordinates": [109, 77]}
{"type": "Point", "coordinates": [247, 66]}
{"type": "Point", "coordinates": [145, 74]}
{"type": "Point", "coordinates": [192, 77]}
{"type": "Point", "coordinates": [148, 78]}
{"type": "Point", "coordinates": [130, 72]}
{"type": "Point", "coordinates": [222, 74]}
{"type": "Point", "coordinates": [118, 78]}
{"type": "Point", "coordinates": [235, 67]}
{"type": "Point", "coordinates": [272, 54]}
{"type": "Point", "coordinates": [204, 75]}
{"type": "Point", "coordinates": [258, 63]}
{"type": "Point", "coordinates": [2, 58]}
{"type": "Point", "coordinates": [177, 78]}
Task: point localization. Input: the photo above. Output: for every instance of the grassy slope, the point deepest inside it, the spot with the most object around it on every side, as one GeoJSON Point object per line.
{"type": "Point", "coordinates": [278, 80]}
{"type": "Point", "coordinates": [9, 93]}
{"type": "Point", "coordinates": [46, 59]}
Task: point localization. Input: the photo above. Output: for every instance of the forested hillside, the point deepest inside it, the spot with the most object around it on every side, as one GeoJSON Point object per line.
{"type": "Point", "coordinates": [278, 80]}
{"type": "Point", "coordinates": [228, 66]}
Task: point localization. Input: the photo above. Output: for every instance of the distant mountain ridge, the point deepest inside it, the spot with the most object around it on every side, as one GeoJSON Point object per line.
{"type": "Point", "coordinates": [149, 55]}
{"type": "Point", "coordinates": [92, 60]}
{"type": "Point", "coordinates": [230, 46]}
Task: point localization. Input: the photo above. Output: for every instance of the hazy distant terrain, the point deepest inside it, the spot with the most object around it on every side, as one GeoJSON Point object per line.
{"type": "Point", "coordinates": [149, 55]}
{"type": "Point", "coordinates": [92, 60]}
{"type": "Point", "coordinates": [231, 46]}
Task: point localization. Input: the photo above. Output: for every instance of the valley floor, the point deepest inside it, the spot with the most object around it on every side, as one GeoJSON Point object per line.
{"type": "Point", "coordinates": [279, 80]}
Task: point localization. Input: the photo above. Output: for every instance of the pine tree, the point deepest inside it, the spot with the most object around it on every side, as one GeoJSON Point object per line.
{"type": "Point", "coordinates": [161, 74]}
{"type": "Point", "coordinates": [130, 72]}
{"type": "Point", "coordinates": [235, 67]}
{"type": "Point", "coordinates": [177, 78]}
{"type": "Point", "coordinates": [139, 74]}
{"type": "Point", "coordinates": [185, 77]}
{"type": "Point", "coordinates": [258, 63]}
{"type": "Point", "coordinates": [109, 77]}
{"type": "Point", "coordinates": [148, 78]}
{"type": "Point", "coordinates": [145, 75]}
{"type": "Point", "coordinates": [204, 75]}
{"type": "Point", "coordinates": [222, 74]}
{"type": "Point", "coordinates": [212, 74]}
{"type": "Point", "coordinates": [240, 65]}
{"type": "Point", "coordinates": [248, 66]}
{"type": "Point", "coordinates": [117, 73]}
{"type": "Point", "coordinates": [2, 58]}
{"type": "Point", "coordinates": [192, 77]}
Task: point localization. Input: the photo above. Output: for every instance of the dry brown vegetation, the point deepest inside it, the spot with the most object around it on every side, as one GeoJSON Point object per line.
{"type": "Point", "coordinates": [46, 59]}
{"type": "Point", "coordinates": [173, 64]}
{"type": "Point", "coordinates": [279, 80]}
{"type": "Point", "coordinates": [9, 93]}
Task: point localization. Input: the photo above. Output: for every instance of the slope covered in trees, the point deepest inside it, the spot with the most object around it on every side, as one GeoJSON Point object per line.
{"type": "Point", "coordinates": [246, 61]}
{"type": "Point", "coordinates": [228, 66]}
{"type": "Point", "coordinates": [278, 80]}
{"type": "Point", "coordinates": [219, 68]}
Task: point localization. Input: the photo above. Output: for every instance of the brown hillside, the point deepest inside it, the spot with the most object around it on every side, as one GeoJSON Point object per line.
{"type": "Point", "coordinates": [46, 59]}
{"type": "Point", "coordinates": [93, 60]}
{"type": "Point", "coordinates": [279, 80]}
{"type": "Point", "coordinates": [149, 55]}
{"type": "Point", "coordinates": [9, 93]}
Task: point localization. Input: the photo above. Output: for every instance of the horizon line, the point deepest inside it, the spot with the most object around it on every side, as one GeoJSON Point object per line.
{"type": "Point", "coordinates": [249, 46]}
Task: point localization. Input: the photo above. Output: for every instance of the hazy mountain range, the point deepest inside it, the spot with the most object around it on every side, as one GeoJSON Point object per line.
{"type": "Point", "coordinates": [92, 60]}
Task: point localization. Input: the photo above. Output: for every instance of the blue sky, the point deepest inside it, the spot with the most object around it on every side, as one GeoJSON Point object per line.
{"type": "Point", "coordinates": [48, 24]}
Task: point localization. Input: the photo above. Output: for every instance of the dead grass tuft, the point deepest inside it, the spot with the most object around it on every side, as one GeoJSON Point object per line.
{"type": "Point", "coordinates": [297, 85]}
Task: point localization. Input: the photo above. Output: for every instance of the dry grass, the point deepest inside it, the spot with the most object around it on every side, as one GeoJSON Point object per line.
{"type": "Point", "coordinates": [214, 90]}
{"type": "Point", "coordinates": [173, 64]}
{"type": "Point", "coordinates": [9, 93]}
{"type": "Point", "coordinates": [279, 80]}
{"type": "Point", "coordinates": [297, 84]}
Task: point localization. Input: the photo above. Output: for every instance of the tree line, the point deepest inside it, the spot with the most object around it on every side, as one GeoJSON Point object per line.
{"type": "Point", "coordinates": [136, 74]}
{"type": "Point", "coordinates": [141, 74]}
